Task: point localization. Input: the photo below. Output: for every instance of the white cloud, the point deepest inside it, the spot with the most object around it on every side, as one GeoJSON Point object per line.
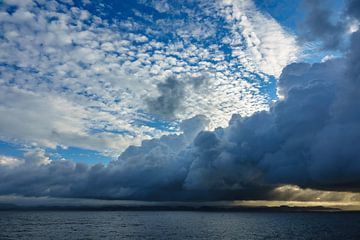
{"type": "Point", "coordinates": [66, 72]}
{"type": "Point", "coordinates": [259, 42]}
{"type": "Point", "coordinates": [36, 157]}
{"type": "Point", "coordinates": [6, 161]}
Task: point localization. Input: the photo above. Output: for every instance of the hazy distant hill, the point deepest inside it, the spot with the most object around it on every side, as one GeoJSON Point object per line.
{"type": "Point", "coordinates": [171, 208]}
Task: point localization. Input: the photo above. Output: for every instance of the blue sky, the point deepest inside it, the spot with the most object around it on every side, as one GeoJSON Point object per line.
{"type": "Point", "coordinates": [116, 46]}
{"type": "Point", "coordinates": [82, 75]}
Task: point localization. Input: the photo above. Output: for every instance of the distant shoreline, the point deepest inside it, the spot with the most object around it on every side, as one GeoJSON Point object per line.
{"type": "Point", "coordinates": [12, 207]}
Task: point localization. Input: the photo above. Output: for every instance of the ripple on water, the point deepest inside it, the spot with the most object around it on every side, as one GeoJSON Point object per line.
{"type": "Point", "coordinates": [177, 225]}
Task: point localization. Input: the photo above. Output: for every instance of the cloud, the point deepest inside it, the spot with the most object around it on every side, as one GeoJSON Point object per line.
{"type": "Point", "coordinates": [329, 28]}
{"type": "Point", "coordinates": [173, 94]}
{"type": "Point", "coordinates": [308, 139]}
{"type": "Point", "coordinates": [104, 67]}
{"type": "Point", "coordinates": [6, 161]}
{"type": "Point", "coordinates": [170, 99]}
{"type": "Point", "coordinates": [161, 6]}
{"type": "Point", "coordinates": [320, 25]}
{"type": "Point", "coordinates": [139, 173]}
{"type": "Point", "coordinates": [353, 8]}
{"type": "Point", "coordinates": [50, 121]}
{"type": "Point", "coordinates": [257, 41]}
{"type": "Point", "coordinates": [36, 157]}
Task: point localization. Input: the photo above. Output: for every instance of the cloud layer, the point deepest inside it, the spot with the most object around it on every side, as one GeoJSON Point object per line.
{"type": "Point", "coordinates": [112, 69]}
{"type": "Point", "coordinates": [308, 139]}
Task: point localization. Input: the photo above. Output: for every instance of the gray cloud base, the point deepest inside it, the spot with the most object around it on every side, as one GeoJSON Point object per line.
{"type": "Point", "coordinates": [322, 25]}
{"type": "Point", "coordinates": [353, 8]}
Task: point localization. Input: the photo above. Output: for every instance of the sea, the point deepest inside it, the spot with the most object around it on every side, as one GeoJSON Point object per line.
{"type": "Point", "coordinates": [68, 225]}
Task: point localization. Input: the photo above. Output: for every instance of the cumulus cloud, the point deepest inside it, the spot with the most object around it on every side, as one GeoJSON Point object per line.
{"type": "Point", "coordinates": [140, 172]}
{"type": "Point", "coordinates": [304, 139]}
{"type": "Point", "coordinates": [330, 28]}
{"type": "Point", "coordinates": [320, 25]}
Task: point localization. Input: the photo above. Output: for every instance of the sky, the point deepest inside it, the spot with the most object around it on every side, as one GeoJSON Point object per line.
{"type": "Point", "coordinates": [166, 100]}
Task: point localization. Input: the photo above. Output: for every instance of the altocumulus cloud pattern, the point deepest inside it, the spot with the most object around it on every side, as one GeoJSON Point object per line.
{"type": "Point", "coordinates": [97, 71]}
{"type": "Point", "coordinates": [309, 137]}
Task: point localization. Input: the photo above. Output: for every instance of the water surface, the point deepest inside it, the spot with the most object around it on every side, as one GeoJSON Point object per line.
{"type": "Point", "coordinates": [177, 225]}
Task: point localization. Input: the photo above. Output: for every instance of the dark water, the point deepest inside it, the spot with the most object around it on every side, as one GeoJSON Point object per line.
{"type": "Point", "coordinates": [178, 225]}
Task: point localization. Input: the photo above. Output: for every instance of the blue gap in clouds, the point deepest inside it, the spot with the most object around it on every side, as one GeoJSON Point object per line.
{"type": "Point", "coordinates": [269, 88]}
{"type": "Point", "coordinates": [153, 121]}
{"type": "Point", "coordinates": [111, 11]}
{"type": "Point", "coordinates": [286, 12]}
{"type": "Point", "coordinates": [78, 155]}
{"type": "Point", "coordinates": [72, 153]}
{"type": "Point", "coordinates": [11, 149]}
{"type": "Point", "coordinates": [114, 11]}
{"type": "Point", "coordinates": [104, 130]}
{"type": "Point", "coordinates": [11, 9]}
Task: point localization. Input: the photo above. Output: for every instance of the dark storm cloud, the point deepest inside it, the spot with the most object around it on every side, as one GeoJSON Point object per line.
{"type": "Point", "coordinates": [319, 24]}
{"type": "Point", "coordinates": [354, 8]}
{"type": "Point", "coordinates": [172, 93]}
